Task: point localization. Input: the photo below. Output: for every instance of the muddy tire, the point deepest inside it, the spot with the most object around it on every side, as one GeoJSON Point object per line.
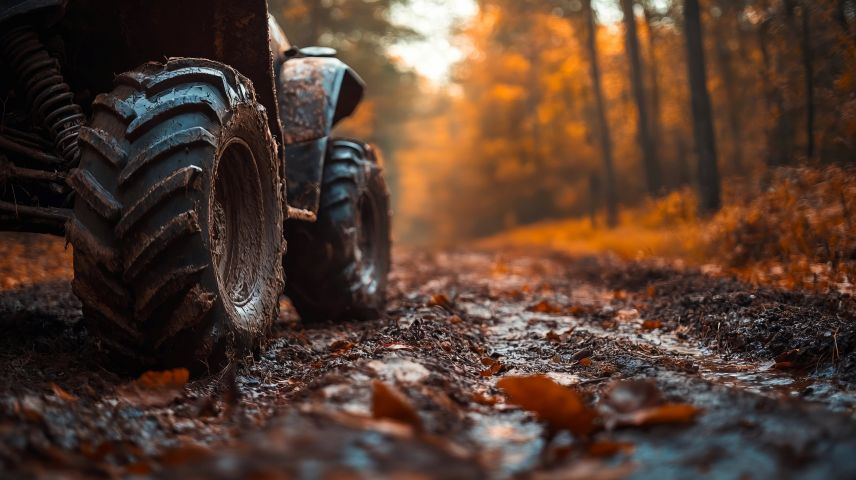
{"type": "Point", "coordinates": [177, 227]}
{"type": "Point", "coordinates": [337, 267]}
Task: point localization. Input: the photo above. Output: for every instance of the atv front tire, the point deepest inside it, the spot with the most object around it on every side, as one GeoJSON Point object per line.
{"type": "Point", "coordinates": [177, 227]}
{"type": "Point", "coordinates": [337, 267]}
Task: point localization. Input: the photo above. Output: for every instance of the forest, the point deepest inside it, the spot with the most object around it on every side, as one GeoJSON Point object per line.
{"type": "Point", "coordinates": [701, 117]}
{"type": "Point", "coordinates": [557, 239]}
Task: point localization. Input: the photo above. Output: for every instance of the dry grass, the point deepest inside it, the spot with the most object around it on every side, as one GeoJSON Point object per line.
{"type": "Point", "coordinates": [800, 232]}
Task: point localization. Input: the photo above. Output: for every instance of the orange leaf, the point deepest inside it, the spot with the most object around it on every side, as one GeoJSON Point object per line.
{"type": "Point", "coordinates": [167, 378]}
{"type": "Point", "coordinates": [483, 399]}
{"type": "Point", "coordinates": [652, 324]}
{"type": "Point", "coordinates": [155, 388]}
{"type": "Point", "coordinates": [440, 300]}
{"type": "Point", "coordinates": [559, 407]}
{"type": "Point", "coordinates": [669, 413]}
{"type": "Point", "coordinates": [62, 394]}
{"type": "Point", "coordinates": [493, 367]}
{"type": "Point", "coordinates": [544, 307]}
{"type": "Point", "coordinates": [585, 362]}
{"type": "Point", "coordinates": [389, 403]}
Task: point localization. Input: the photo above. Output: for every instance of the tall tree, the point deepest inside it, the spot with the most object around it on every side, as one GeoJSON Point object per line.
{"type": "Point", "coordinates": [725, 63]}
{"type": "Point", "coordinates": [808, 69]}
{"type": "Point", "coordinates": [653, 72]}
{"type": "Point", "coordinates": [705, 141]}
{"type": "Point", "coordinates": [602, 123]}
{"type": "Point", "coordinates": [646, 142]}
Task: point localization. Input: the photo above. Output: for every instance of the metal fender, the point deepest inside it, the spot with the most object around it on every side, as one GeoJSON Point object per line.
{"type": "Point", "coordinates": [314, 94]}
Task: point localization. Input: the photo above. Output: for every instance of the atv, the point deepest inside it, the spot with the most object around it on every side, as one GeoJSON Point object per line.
{"type": "Point", "coordinates": [179, 147]}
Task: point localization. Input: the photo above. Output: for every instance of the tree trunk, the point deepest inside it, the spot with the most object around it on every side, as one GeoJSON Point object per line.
{"type": "Point", "coordinates": [649, 155]}
{"type": "Point", "coordinates": [808, 67]}
{"type": "Point", "coordinates": [602, 123]}
{"type": "Point", "coordinates": [705, 142]}
{"type": "Point", "coordinates": [781, 136]}
{"type": "Point", "coordinates": [808, 71]}
{"type": "Point", "coordinates": [654, 83]}
{"type": "Point", "coordinates": [726, 69]}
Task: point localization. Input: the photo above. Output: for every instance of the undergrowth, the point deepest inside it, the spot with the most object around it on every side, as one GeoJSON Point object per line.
{"type": "Point", "coordinates": [798, 232]}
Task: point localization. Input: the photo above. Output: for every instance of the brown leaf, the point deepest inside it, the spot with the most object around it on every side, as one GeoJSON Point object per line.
{"type": "Point", "coordinates": [454, 319]}
{"type": "Point", "coordinates": [341, 346]}
{"type": "Point", "coordinates": [62, 394]}
{"type": "Point", "coordinates": [652, 324]}
{"type": "Point", "coordinates": [585, 362]}
{"type": "Point", "coordinates": [559, 407]}
{"type": "Point", "coordinates": [666, 414]}
{"type": "Point", "coordinates": [493, 367]}
{"type": "Point", "coordinates": [544, 306]}
{"type": "Point", "coordinates": [553, 336]}
{"type": "Point", "coordinates": [608, 448]}
{"type": "Point", "coordinates": [390, 403]}
{"type": "Point", "coordinates": [155, 388]}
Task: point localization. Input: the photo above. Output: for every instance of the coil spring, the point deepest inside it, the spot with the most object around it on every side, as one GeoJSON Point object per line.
{"type": "Point", "coordinates": [49, 97]}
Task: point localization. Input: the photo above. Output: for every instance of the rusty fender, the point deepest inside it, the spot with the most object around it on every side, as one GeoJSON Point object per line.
{"type": "Point", "coordinates": [314, 94]}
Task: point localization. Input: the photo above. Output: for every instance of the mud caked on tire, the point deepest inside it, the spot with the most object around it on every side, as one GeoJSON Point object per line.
{"type": "Point", "coordinates": [338, 266]}
{"type": "Point", "coordinates": [177, 227]}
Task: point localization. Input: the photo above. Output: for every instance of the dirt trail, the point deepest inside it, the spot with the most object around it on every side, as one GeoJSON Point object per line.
{"type": "Point", "coordinates": [776, 402]}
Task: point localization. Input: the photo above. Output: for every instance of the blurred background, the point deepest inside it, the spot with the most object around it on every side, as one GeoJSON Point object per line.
{"type": "Point", "coordinates": [693, 129]}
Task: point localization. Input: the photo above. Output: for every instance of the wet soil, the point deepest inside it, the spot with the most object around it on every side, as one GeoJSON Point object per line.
{"type": "Point", "coordinates": [771, 371]}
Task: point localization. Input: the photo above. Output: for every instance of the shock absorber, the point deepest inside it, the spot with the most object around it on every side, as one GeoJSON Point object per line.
{"type": "Point", "coordinates": [50, 99]}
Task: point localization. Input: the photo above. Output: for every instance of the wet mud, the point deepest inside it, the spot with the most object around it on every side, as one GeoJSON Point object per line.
{"type": "Point", "coordinates": [457, 323]}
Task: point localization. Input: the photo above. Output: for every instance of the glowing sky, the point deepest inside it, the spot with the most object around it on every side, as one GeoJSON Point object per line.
{"type": "Point", "coordinates": [435, 19]}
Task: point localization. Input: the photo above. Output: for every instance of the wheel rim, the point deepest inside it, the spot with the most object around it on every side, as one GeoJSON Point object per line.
{"type": "Point", "coordinates": [237, 226]}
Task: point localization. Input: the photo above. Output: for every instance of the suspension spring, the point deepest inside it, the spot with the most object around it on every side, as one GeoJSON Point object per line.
{"type": "Point", "coordinates": [50, 99]}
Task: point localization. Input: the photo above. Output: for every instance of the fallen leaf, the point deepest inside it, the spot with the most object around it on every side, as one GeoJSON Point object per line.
{"type": "Point", "coordinates": [666, 414]}
{"type": "Point", "coordinates": [62, 394]}
{"type": "Point", "coordinates": [454, 319]}
{"type": "Point", "coordinates": [440, 300]}
{"type": "Point", "coordinates": [652, 324]}
{"type": "Point", "coordinates": [608, 448]}
{"type": "Point", "coordinates": [584, 362]}
{"type": "Point", "coordinates": [651, 291]}
{"type": "Point", "coordinates": [341, 346]}
{"type": "Point", "coordinates": [167, 378]}
{"type": "Point", "coordinates": [493, 367]}
{"type": "Point", "coordinates": [484, 399]}
{"type": "Point", "coordinates": [627, 314]}
{"type": "Point", "coordinates": [390, 403]}
{"type": "Point", "coordinates": [559, 407]}
{"type": "Point", "coordinates": [544, 307]}
{"type": "Point", "coordinates": [155, 388]}
{"type": "Point", "coordinates": [553, 336]}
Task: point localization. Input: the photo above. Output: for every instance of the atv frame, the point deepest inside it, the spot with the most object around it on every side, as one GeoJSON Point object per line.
{"type": "Point", "coordinates": [179, 147]}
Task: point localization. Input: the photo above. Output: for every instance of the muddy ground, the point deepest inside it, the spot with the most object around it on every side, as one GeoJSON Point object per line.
{"type": "Point", "coordinates": [769, 375]}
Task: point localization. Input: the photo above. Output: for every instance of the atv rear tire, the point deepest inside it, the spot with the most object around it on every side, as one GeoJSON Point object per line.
{"type": "Point", "coordinates": [338, 266]}
{"type": "Point", "coordinates": [177, 227]}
